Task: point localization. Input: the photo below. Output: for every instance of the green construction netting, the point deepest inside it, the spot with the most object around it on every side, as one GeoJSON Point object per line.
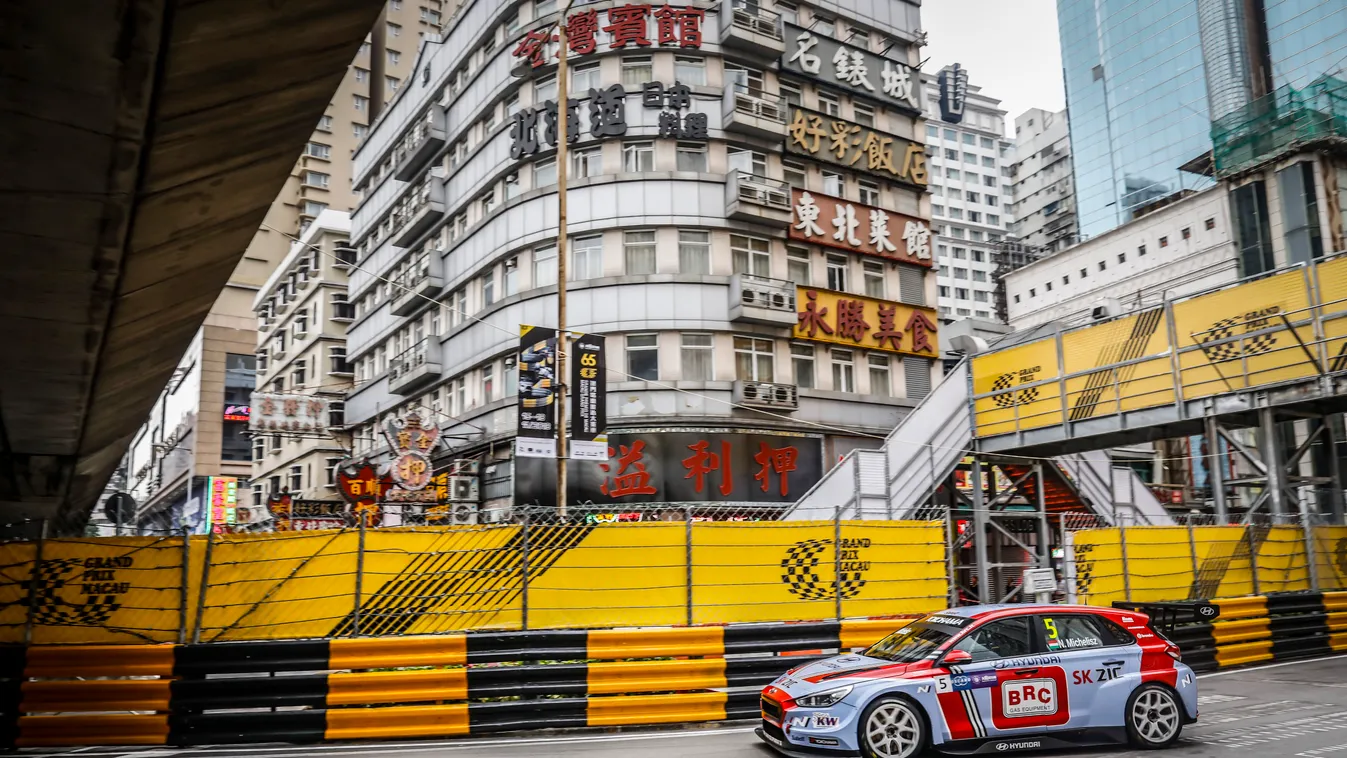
{"type": "Point", "coordinates": [1279, 122]}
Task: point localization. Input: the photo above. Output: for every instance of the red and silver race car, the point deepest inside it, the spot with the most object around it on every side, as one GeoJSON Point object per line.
{"type": "Point", "coordinates": [989, 679]}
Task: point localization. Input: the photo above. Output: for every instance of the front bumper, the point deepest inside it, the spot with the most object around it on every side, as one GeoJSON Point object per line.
{"type": "Point", "coordinates": [772, 735]}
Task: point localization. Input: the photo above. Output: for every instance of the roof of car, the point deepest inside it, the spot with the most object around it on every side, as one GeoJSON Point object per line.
{"type": "Point", "coordinates": [1011, 609]}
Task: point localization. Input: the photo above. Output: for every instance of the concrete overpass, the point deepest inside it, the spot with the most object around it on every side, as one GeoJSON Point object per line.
{"type": "Point", "coordinates": [141, 143]}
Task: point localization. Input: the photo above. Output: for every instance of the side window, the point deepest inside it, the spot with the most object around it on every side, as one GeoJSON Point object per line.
{"type": "Point", "coordinates": [999, 639]}
{"type": "Point", "coordinates": [1077, 631]}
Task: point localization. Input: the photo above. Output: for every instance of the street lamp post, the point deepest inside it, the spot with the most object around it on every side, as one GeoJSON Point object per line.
{"type": "Point", "coordinates": [563, 117]}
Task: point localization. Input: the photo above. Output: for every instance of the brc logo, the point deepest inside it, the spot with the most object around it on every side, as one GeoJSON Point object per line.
{"type": "Point", "coordinates": [1029, 697]}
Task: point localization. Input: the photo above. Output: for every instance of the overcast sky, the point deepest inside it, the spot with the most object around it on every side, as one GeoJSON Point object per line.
{"type": "Point", "coordinates": [1013, 55]}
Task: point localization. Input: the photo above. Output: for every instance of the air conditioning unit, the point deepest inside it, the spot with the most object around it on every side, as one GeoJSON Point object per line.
{"type": "Point", "coordinates": [766, 298]}
{"type": "Point", "coordinates": [1106, 309]}
{"type": "Point", "coordinates": [465, 467]}
{"type": "Point", "coordinates": [462, 514]}
{"type": "Point", "coordinates": [464, 489]}
{"type": "Point", "coordinates": [777, 198]}
{"type": "Point", "coordinates": [767, 395]}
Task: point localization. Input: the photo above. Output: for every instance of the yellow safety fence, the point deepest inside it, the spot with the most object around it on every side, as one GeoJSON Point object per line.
{"type": "Point", "coordinates": [430, 580]}
{"type": "Point", "coordinates": [1168, 563]}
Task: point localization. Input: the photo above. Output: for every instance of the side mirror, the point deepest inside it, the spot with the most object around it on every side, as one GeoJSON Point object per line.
{"type": "Point", "coordinates": [957, 658]}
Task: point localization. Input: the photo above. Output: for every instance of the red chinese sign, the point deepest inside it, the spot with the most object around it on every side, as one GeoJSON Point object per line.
{"type": "Point", "coordinates": [623, 26]}
{"type": "Point", "coordinates": [825, 220]}
{"type": "Point", "coordinates": [841, 318]}
{"type": "Point", "coordinates": [412, 442]}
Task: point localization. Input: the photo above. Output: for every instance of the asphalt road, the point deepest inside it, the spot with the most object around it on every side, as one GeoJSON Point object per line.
{"type": "Point", "coordinates": [1296, 709]}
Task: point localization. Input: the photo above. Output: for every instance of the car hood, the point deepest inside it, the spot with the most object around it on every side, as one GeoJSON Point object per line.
{"type": "Point", "coordinates": [840, 670]}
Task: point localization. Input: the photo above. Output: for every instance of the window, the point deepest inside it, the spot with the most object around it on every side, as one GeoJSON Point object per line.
{"type": "Point", "coordinates": [1047, 287]}
{"type": "Point", "coordinates": [643, 356]}
{"type": "Point", "coordinates": [979, 255]}
{"type": "Point", "coordinates": [864, 114]}
{"type": "Point", "coordinates": [545, 172]}
{"type": "Point", "coordinates": [970, 139]}
{"type": "Point", "coordinates": [545, 89]}
{"type": "Point", "coordinates": [869, 192]}
{"type": "Point", "coordinates": [392, 82]}
{"type": "Point", "coordinates": [1186, 232]}
{"type": "Point", "coordinates": [488, 383]}
{"type": "Point", "coordinates": [1033, 292]}
{"type": "Point", "coordinates": [952, 155]}
{"type": "Point", "coordinates": [802, 365]}
{"type": "Point", "coordinates": [586, 163]}
{"type": "Point", "coordinates": [489, 287]}
{"type": "Point", "coordinates": [979, 276]}
{"type": "Point", "coordinates": [791, 94]}
{"type": "Point", "coordinates": [638, 252]}
{"type": "Point", "coordinates": [1209, 224]}
{"type": "Point", "coordinates": [874, 279]}
{"type": "Point", "coordinates": [1164, 242]}
{"type": "Point", "coordinates": [299, 375]}
{"type": "Point", "coordinates": [690, 71]}
{"type": "Point", "coordinates": [694, 252]}
{"type": "Point", "coordinates": [690, 156]}
{"type": "Point", "coordinates": [937, 210]}
{"type": "Point", "coordinates": [972, 197]}
{"type": "Point", "coordinates": [793, 173]}
{"type": "Point", "coordinates": [797, 265]}
{"type": "Point", "coordinates": [844, 371]}
{"type": "Point", "coordinates": [313, 207]}
{"type": "Point", "coordinates": [1122, 257]}
{"type": "Point", "coordinates": [636, 71]}
{"type": "Point", "coordinates": [1103, 265]}
{"type": "Point", "coordinates": [1253, 233]}
{"type": "Point", "coordinates": [511, 106]}
{"type": "Point", "coordinates": [488, 203]}
{"type": "Point", "coordinates": [987, 143]}
{"type": "Point", "coordinates": [993, 200]}
{"type": "Point", "coordinates": [510, 282]}
{"type": "Point", "coordinates": [751, 255]}
{"type": "Point", "coordinates": [359, 130]}
{"type": "Point", "coordinates": [638, 157]}
{"type": "Point", "coordinates": [960, 293]}
{"type": "Point", "coordinates": [1066, 279]}
{"type": "Point", "coordinates": [951, 173]}
{"type": "Point", "coordinates": [747, 161]}
{"type": "Point", "coordinates": [960, 273]}
{"type": "Point", "coordinates": [975, 217]}
{"type": "Point", "coordinates": [545, 266]}
{"type": "Point", "coordinates": [543, 7]}
{"type": "Point", "coordinates": [696, 357]}
{"type": "Point", "coordinates": [1006, 638]}
{"type": "Point", "coordinates": [951, 135]}
{"type": "Point", "coordinates": [837, 272]}
{"type": "Point", "coordinates": [296, 479]}
{"type": "Point", "coordinates": [754, 359]}
{"type": "Point", "coordinates": [587, 257]}
{"type": "Point", "coordinates": [325, 124]}
{"type": "Point", "coordinates": [1078, 631]}
{"type": "Point", "coordinates": [316, 179]}
{"type": "Point", "coordinates": [880, 381]}
{"type": "Point", "coordinates": [584, 78]}
{"type": "Point", "coordinates": [832, 183]}
{"type": "Point", "coordinates": [988, 162]}
{"type": "Point", "coordinates": [259, 448]}
{"type": "Point", "coordinates": [970, 158]}
{"type": "Point", "coordinates": [989, 181]}
{"type": "Point", "coordinates": [394, 57]}
{"type": "Point", "coordinates": [361, 75]}
{"type": "Point", "coordinates": [1017, 298]}
{"type": "Point", "coordinates": [512, 186]}
{"type": "Point", "coordinates": [829, 104]}
{"type": "Point", "coordinates": [979, 295]}
{"type": "Point", "coordinates": [318, 150]}
{"type": "Point", "coordinates": [993, 219]}
{"type": "Point", "coordinates": [932, 131]}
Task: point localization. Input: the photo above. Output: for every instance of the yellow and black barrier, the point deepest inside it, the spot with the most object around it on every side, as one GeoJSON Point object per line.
{"type": "Point", "coordinates": [426, 686]}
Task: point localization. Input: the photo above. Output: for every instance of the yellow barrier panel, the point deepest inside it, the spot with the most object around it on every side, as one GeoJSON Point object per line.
{"type": "Point", "coordinates": [655, 676]}
{"type": "Point", "coordinates": [657, 709]}
{"type": "Point", "coordinates": [1248, 652]}
{"type": "Point", "coordinates": [406, 721]}
{"type": "Point", "coordinates": [858, 633]}
{"type": "Point", "coordinates": [1135, 385]}
{"type": "Point", "coordinates": [629, 575]}
{"type": "Point", "coordinates": [1241, 630]}
{"type": "Point", "coordinates": [611, 644]}
{"type": "Point", "coordinates": [388, 652]}
{"type": "Point", "coordinates": [1243, 608]}
{"type": "Point", "coordinates": [86, 729]}
{"type": "Point", "coordinates": [90, 696]}
{"type": "Point", "coordinates": [397, 687]}
{"type": "Point", "coordinates": [56, 662]}
{"type": "Point", "coordinates": [1015, 406]}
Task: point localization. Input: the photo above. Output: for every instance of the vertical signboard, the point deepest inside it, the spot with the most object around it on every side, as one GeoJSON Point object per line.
{"type": "Point", "coordinates": [589, 417]}
{"type": "Point", "coordinates": [224, 498]}
{"type": "Point", "coordinates": [537, 436]}
{"type": "Point", "coordinates": [953, 93]}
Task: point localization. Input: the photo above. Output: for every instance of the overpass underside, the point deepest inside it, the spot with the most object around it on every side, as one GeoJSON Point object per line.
{"type": "Point", "coordinates": [143, 141]}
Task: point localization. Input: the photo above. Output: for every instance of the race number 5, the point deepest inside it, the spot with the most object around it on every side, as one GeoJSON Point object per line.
{"type": "Point", "coordinates": [942, 684]}
{"type": "Point", "coordinates": [1051, 627]}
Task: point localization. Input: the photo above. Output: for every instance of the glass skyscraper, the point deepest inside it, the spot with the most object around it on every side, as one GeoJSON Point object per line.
{"type": "Point", "coordinates": [1140, 86]}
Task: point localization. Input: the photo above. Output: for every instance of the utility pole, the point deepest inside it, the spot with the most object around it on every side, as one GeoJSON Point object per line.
{"type": "Point", "coordinates": [563, 117]}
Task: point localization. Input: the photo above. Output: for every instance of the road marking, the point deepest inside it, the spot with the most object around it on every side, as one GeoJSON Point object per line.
{"type": "Point", "coordinates": [1213, 699]}
{"type": "Point", "coordinates": [1269, 666]}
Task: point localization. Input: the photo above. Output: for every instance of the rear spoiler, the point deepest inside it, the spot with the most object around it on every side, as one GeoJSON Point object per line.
{"type": "Point", "coordinates": [1166, 617]}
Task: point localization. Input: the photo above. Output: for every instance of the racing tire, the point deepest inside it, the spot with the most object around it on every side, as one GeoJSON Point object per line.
{"type": "Point", "coordinates": [1153, 716]}
{"type": "Point", "coordinates": [892, 727]}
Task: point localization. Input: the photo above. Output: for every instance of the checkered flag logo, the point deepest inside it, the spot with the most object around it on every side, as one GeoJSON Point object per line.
{"type": "Point", "coordinates": [1230, 351]}
{"type": "Point", "coordinates": [799, 572]}
{"type": "Point", "coordinates": [1012, 399]}
{"type": "Point", "coordinates": [50, 609]}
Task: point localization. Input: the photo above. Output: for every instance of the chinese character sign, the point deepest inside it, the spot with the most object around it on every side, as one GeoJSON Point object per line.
{"type": "Point", "coordinates": [223, 492]}
{"type": "Point", "coordinates": [621, 27]}
{"type": "Point", "coordinates": [278, 414]}
{"type": "Point", "coordinates": [588, 396]}
{"type": "Point", "coordinates": [537, 393]}
{"type": "Point", "coordinates": [682, 467]}
{"type": "Point", "coordinates": [606, 116]}
{"type": "Point", "coordinates": [833, 222]}
{"type": "Point", "coordinates": [851, 68]}
{"type": "Point", "coordinates": [855, 321]}
{"type": "Point", "coordinates": [412, 442]}
{"type": "Point", "coordinates": [843, 143]}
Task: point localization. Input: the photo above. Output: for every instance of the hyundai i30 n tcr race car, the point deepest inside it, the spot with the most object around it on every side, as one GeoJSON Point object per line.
{"type": "Point", "coordinates": [989, 679]}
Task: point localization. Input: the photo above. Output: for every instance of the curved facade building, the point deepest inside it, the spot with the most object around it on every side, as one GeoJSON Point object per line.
{"type": "Point", "coordinates": [748, 228]}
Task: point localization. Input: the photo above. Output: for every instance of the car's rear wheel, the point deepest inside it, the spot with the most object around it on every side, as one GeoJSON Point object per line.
{"type": "Point", "coordinates": [1154, 716]}
{"type": "Point", "coordinates": [892, 727]}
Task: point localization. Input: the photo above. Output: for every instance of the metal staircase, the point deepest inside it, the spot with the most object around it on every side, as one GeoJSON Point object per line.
{"type": "Point", "coordinates": [898, 480]}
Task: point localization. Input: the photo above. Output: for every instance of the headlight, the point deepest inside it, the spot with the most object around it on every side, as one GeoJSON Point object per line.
{"type": "Point", "coordinates": [825, 698]}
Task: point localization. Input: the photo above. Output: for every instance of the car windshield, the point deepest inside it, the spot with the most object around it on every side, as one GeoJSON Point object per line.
{"type": "Point", "coordinates": [912, 643]}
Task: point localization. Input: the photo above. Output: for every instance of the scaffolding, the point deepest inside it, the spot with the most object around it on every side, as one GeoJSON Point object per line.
{"type": "Point", "coordinates": [1280, 122]}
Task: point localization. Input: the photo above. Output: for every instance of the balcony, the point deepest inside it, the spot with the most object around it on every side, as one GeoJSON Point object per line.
{"type": "Point", "coordinates": [758, 300]}
{"type": "Point", "coordinates": [418, 211]}
{"type": "Point", "coordinates": [343, 312]}
{"type": "Point", "coordinates": [749, 197]}
{"type": "Point", "coordinates": [752, 30]}
{"type": "Point", "coordinates": [759, 114]}
{"type": "Point", "coordinates": [776, 396]}
{"type": "Point", "coordinates": [422, 279]}
{"type": "Point", "coordinates": [424, 140]}
{"type": "Point", "coordinates": [346, 257]}
{"type": "Point", "coordinates": [415, 367]}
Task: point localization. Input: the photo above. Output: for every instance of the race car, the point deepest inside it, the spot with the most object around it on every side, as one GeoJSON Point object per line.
{"type": "Point", "coordinates": [989, 679]}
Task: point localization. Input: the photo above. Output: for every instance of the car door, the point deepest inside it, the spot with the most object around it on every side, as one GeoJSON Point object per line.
{"type": "Point", "coordinates": [1102, 664]}
{"type": "Point", "coordinates": [977, 690]}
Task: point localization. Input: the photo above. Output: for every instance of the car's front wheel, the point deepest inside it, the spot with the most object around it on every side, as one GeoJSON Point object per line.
{"type": "Point", "coordinates": [1154, 716]}
{"type": "Point", "coordinates": [892, 727]}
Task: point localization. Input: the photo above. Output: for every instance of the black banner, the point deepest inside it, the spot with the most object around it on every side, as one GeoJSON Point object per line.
{"type": "Point", "coordinates": [588, 397]}
{"type": "Point", "coordinates": [537, 393]}
{"type": "Point", "coordinates": [689, 466]}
